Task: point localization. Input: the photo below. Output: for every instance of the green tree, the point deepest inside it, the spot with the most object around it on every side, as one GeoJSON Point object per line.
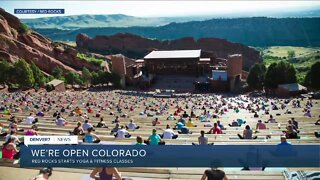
{"type": "Point", "coordinates": [269, 80]}
{"type": "Point", "coordinates": [103, 77]}
{"type": "Point", "coordinates": [49, 78]}
{"type": "Point", "coordinates": [116, 80]}
{"type": "Point", "coordinates": [95, 78]}
{"type": "Point", "coordinates": [5, 71]}
{"type": "Point", "coordinates": [39, 77]}
{"type": "Point", "coordinates": [291, 54]}
{"type": "Point", "coordinates": [23, 28]}
{"type": "Point", "coordinates": [73, 78]}
{"type": "Point", "coordinates": [78, 80]}
{"type": "Point", "coordinates": [86, 76]}
{"type": "Point", "coordinates": [313, 76]}
{"type": "Point", "coordinates": [57, 73]}
{"type": "Point", "coordinates": [256, 76]}
{"type": "Point", "coordinates": [286, 73]}
{"type": "Point", "coordinates": [49, 87]}
{"type": "Point", "coordinates": [280, 73]}
{"type": "Point", "coordinates": [23, 74]}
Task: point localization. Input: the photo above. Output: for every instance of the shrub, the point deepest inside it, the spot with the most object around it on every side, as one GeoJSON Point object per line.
{"type": "Point", "coordinates": [23, 28]}
{"type": "Point", "coordinates": [49, 87]}
{"type": "Point", "coordinates": [93, 60]}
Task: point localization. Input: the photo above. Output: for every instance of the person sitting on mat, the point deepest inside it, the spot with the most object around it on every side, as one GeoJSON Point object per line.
{"type": "Point", "coordinates": [247, 133]}
{"type": "Point", "coordinates": [90, 137]}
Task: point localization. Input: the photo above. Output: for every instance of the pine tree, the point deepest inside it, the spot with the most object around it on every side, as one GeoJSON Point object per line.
{"type": "Point", "coordinates": [313, 76]}
{"type": "Point", "coordinates": [23, 74]}
{"type": "Point", "coordinates": [5, 72]}
{"type": "Point", "coordinates": [73, 78]}
{"type": "Point", "coordinates": [39, 77]}
{"type": "Point", "coordinates": [86, 76]}
{"type": "Point", "coordinates": [280, 73]}
{"type": "Point", "coordinates": [256, 76]}
{"type": "Point", "coordinates": [57, 73]}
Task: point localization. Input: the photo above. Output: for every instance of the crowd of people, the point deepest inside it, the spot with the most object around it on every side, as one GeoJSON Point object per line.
{"type": "Point", "coordinates": [132, 113]}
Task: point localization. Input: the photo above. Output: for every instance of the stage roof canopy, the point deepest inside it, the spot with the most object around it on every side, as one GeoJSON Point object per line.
{"type": "Point", "coordinates": [174, 54]}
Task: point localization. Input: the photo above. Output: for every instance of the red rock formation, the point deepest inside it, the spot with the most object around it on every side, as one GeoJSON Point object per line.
{"type": "Point", "coordinates": [35, 48]}
{"type": "Point", "coordinates": [7, 56]}
{"type": "Point", "coordinates": [136, 46]}
{"type": "Point", "coordinates": [31, 55]}
{"type": "Point", "coordinates": [4, 27]}
{"type": "Point", "coordinates": [13, 21]}
{"type": "Point", "coordinates": [82, 39]}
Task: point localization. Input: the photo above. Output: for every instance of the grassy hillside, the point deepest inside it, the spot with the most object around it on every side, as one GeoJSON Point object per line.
{"type": "Point", "coordinates": [303, 60]}
{"type": "Point", "coordinates": [282, 51]}
{"type": "Point", "coordinates": [90, 59]}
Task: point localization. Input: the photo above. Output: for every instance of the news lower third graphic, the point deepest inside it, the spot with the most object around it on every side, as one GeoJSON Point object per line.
{"type": "Point", "coordinates": [66, 152]}
{"type": "Point", "coordinates": [39, 11]}
{"type": "Point", "coordinates": [33, 140]}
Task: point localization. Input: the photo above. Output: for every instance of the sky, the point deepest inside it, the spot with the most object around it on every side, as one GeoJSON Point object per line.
{"type": "Point", "coordinates": [157, 8]}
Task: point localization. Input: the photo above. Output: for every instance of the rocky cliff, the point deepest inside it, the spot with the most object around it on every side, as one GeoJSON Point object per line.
{"type": "Point", "coordinates": [17, 41]}
{"type": "Point", "coordinates": [135, 46]}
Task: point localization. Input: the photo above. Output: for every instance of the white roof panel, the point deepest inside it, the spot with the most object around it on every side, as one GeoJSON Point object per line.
{"type": "Point", "coordinates": [292, 87]}
{"type": "Point", "coordinates": [173, 54]}
{"type": "Point", "coordinates": [55, 82]}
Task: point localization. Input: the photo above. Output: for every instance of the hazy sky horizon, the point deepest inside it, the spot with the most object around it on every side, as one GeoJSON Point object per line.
{"type": "Point", "coordinates": [159, 8]}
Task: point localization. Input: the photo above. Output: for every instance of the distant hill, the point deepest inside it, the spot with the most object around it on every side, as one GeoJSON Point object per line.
{"type": "Point", "coordinates": [122, 20]}
{"type": "Point", "coordinates": [113, 20]}
{"type": "Point", "coordinates": [259, 31]}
